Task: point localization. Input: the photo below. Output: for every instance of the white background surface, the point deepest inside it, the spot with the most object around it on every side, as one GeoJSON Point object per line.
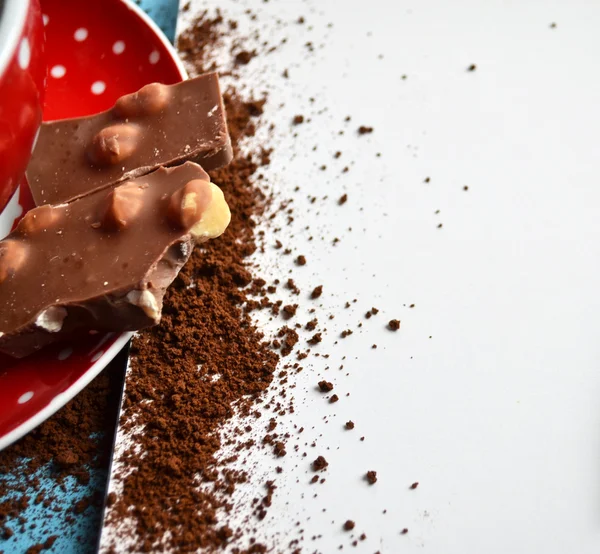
{"type": "Point", "coordinates": [497, 415]}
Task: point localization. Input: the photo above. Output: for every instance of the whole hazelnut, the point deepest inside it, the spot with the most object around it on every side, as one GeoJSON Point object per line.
{"type": "Point", "coordinates": [113, 144]}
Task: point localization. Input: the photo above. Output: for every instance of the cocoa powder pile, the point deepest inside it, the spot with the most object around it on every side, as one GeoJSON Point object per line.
{"type": "Point", "coordinates": [188, 373]}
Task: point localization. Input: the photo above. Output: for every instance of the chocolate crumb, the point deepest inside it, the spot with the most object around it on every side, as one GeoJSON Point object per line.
{"type": "Point", "coordinates": [334, 399]}
{"type": "Point", "coordinates": [371, 477]}
{"type": "Point", "coordinates": [362, 130]}
{"type": "Point", "coordinates": [301, 260]}
{"type": "Point", "coordinates": [427, 179]}
{"type": "Point", "coordinates": [343, 199]}
{"type": "Point", "coordinates": [349, 425]}
{"type": "Point", "coordinates": [394, 324]}
{"type": "Point", "coordinates": [466, 187]}
{"type": "Point", "coordinates": [298, 119]}
{"type": "Point", "coordinates": [317, 291]}
{"type": "Point", "coordinates": [404, 531]}
{"type": "Point", "coordinates": [349, 525]}
{"type": "Point", "coordinates": [414, 485]}
{"type": "Point", "coordinates": [472, 67]}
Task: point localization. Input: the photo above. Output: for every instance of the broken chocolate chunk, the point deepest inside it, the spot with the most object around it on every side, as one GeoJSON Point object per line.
{"type": "Point", "coordinates": [160, 125]}
{"type": "Point", "coordinates": [103, 262]}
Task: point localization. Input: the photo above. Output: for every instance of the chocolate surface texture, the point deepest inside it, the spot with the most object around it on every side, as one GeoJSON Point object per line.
{"type": "Point", "coordinates": [160, 125]}
{"type": "Point", "coordinates": [103, 262]}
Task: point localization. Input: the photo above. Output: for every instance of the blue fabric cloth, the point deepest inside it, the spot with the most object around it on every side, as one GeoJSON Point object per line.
{"type": "Point", "coordinates": [81, 536]}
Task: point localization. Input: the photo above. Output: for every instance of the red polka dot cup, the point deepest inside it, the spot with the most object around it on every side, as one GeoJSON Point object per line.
{"type": "Point", "coordinates": [22, 83]}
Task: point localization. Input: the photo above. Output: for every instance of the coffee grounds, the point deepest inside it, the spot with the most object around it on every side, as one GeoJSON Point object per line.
{"type": "Point", "coordinates": [46, 545]}
{"type": "Point", "coordinates": [72, 443]}
{"type": "Point", "coordinates": [315, 339]}
{"type": "Point", "coordinates": [394, 324]}
{"type": "Point", "coordinates": [317, 292]}
{"type": "Point", "coordinates": [325, 386]}
{"type": "Point", "coordinates": [319, 464]}
{"type": "Point", "coordinates": [371, 477]}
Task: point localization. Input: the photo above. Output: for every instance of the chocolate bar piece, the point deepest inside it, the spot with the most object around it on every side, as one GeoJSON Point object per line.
{"type": "Point", "coordinates": [103, 262]}
{"type": "Point", "coordinates": [159, 125]}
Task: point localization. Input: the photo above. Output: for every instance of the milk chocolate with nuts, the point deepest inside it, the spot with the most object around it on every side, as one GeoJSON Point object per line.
{"type": "Point", "coordinates": [103, 262]}
{"type": "Point", "coordinates": [160, 125]}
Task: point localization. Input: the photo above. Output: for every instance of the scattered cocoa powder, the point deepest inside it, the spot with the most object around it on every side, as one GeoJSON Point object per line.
{"type": "Point", "coordinates": [244, 57]}
{"type": "Point", "coordinates": [46, 545]}
{"type": "Point", "coordinates": [289, 310]}
{"type": "Point", "coordinates": [311, 325]}
{"type": "Point", "coordinates": [325, 386]}
{"type": "Point", "coordinates": [319, 464]}
{"type": "Point", "coordinates": [315, 339]}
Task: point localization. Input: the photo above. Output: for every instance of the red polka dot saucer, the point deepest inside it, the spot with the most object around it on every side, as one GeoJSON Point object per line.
{"type": "Point", "coordinates": [96, 52]}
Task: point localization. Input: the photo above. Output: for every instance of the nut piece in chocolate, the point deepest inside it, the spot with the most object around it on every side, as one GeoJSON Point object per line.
{"type": "Point", "coordinates": [103, 262]}
{"type": "Point", "coordinates": [159, 125]}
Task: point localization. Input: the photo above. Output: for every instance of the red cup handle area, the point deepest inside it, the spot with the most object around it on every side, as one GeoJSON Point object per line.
{"type": "Point", "coordinates": [21, 102]}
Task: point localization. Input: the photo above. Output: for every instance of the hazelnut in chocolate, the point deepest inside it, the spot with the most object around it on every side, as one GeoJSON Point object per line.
{"type": "Point", "coordinates": [103, 262]}
{"type": "Point", "coordinates": [160, 125]}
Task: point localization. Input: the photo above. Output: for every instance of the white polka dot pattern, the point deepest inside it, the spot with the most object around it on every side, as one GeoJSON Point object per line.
{"type": "Point", "coordinates": [24, 54]}
{"type": "Point", "coordinates": [81, 34]}
{"type": "Point", "coordinates": [118, 47]}
{"type": "Point", "coordinates": [58, 71]}
{"type": "Point", "coordinates": [25, 397]}
{"type": "Point", "coordinates": [98, 87]}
